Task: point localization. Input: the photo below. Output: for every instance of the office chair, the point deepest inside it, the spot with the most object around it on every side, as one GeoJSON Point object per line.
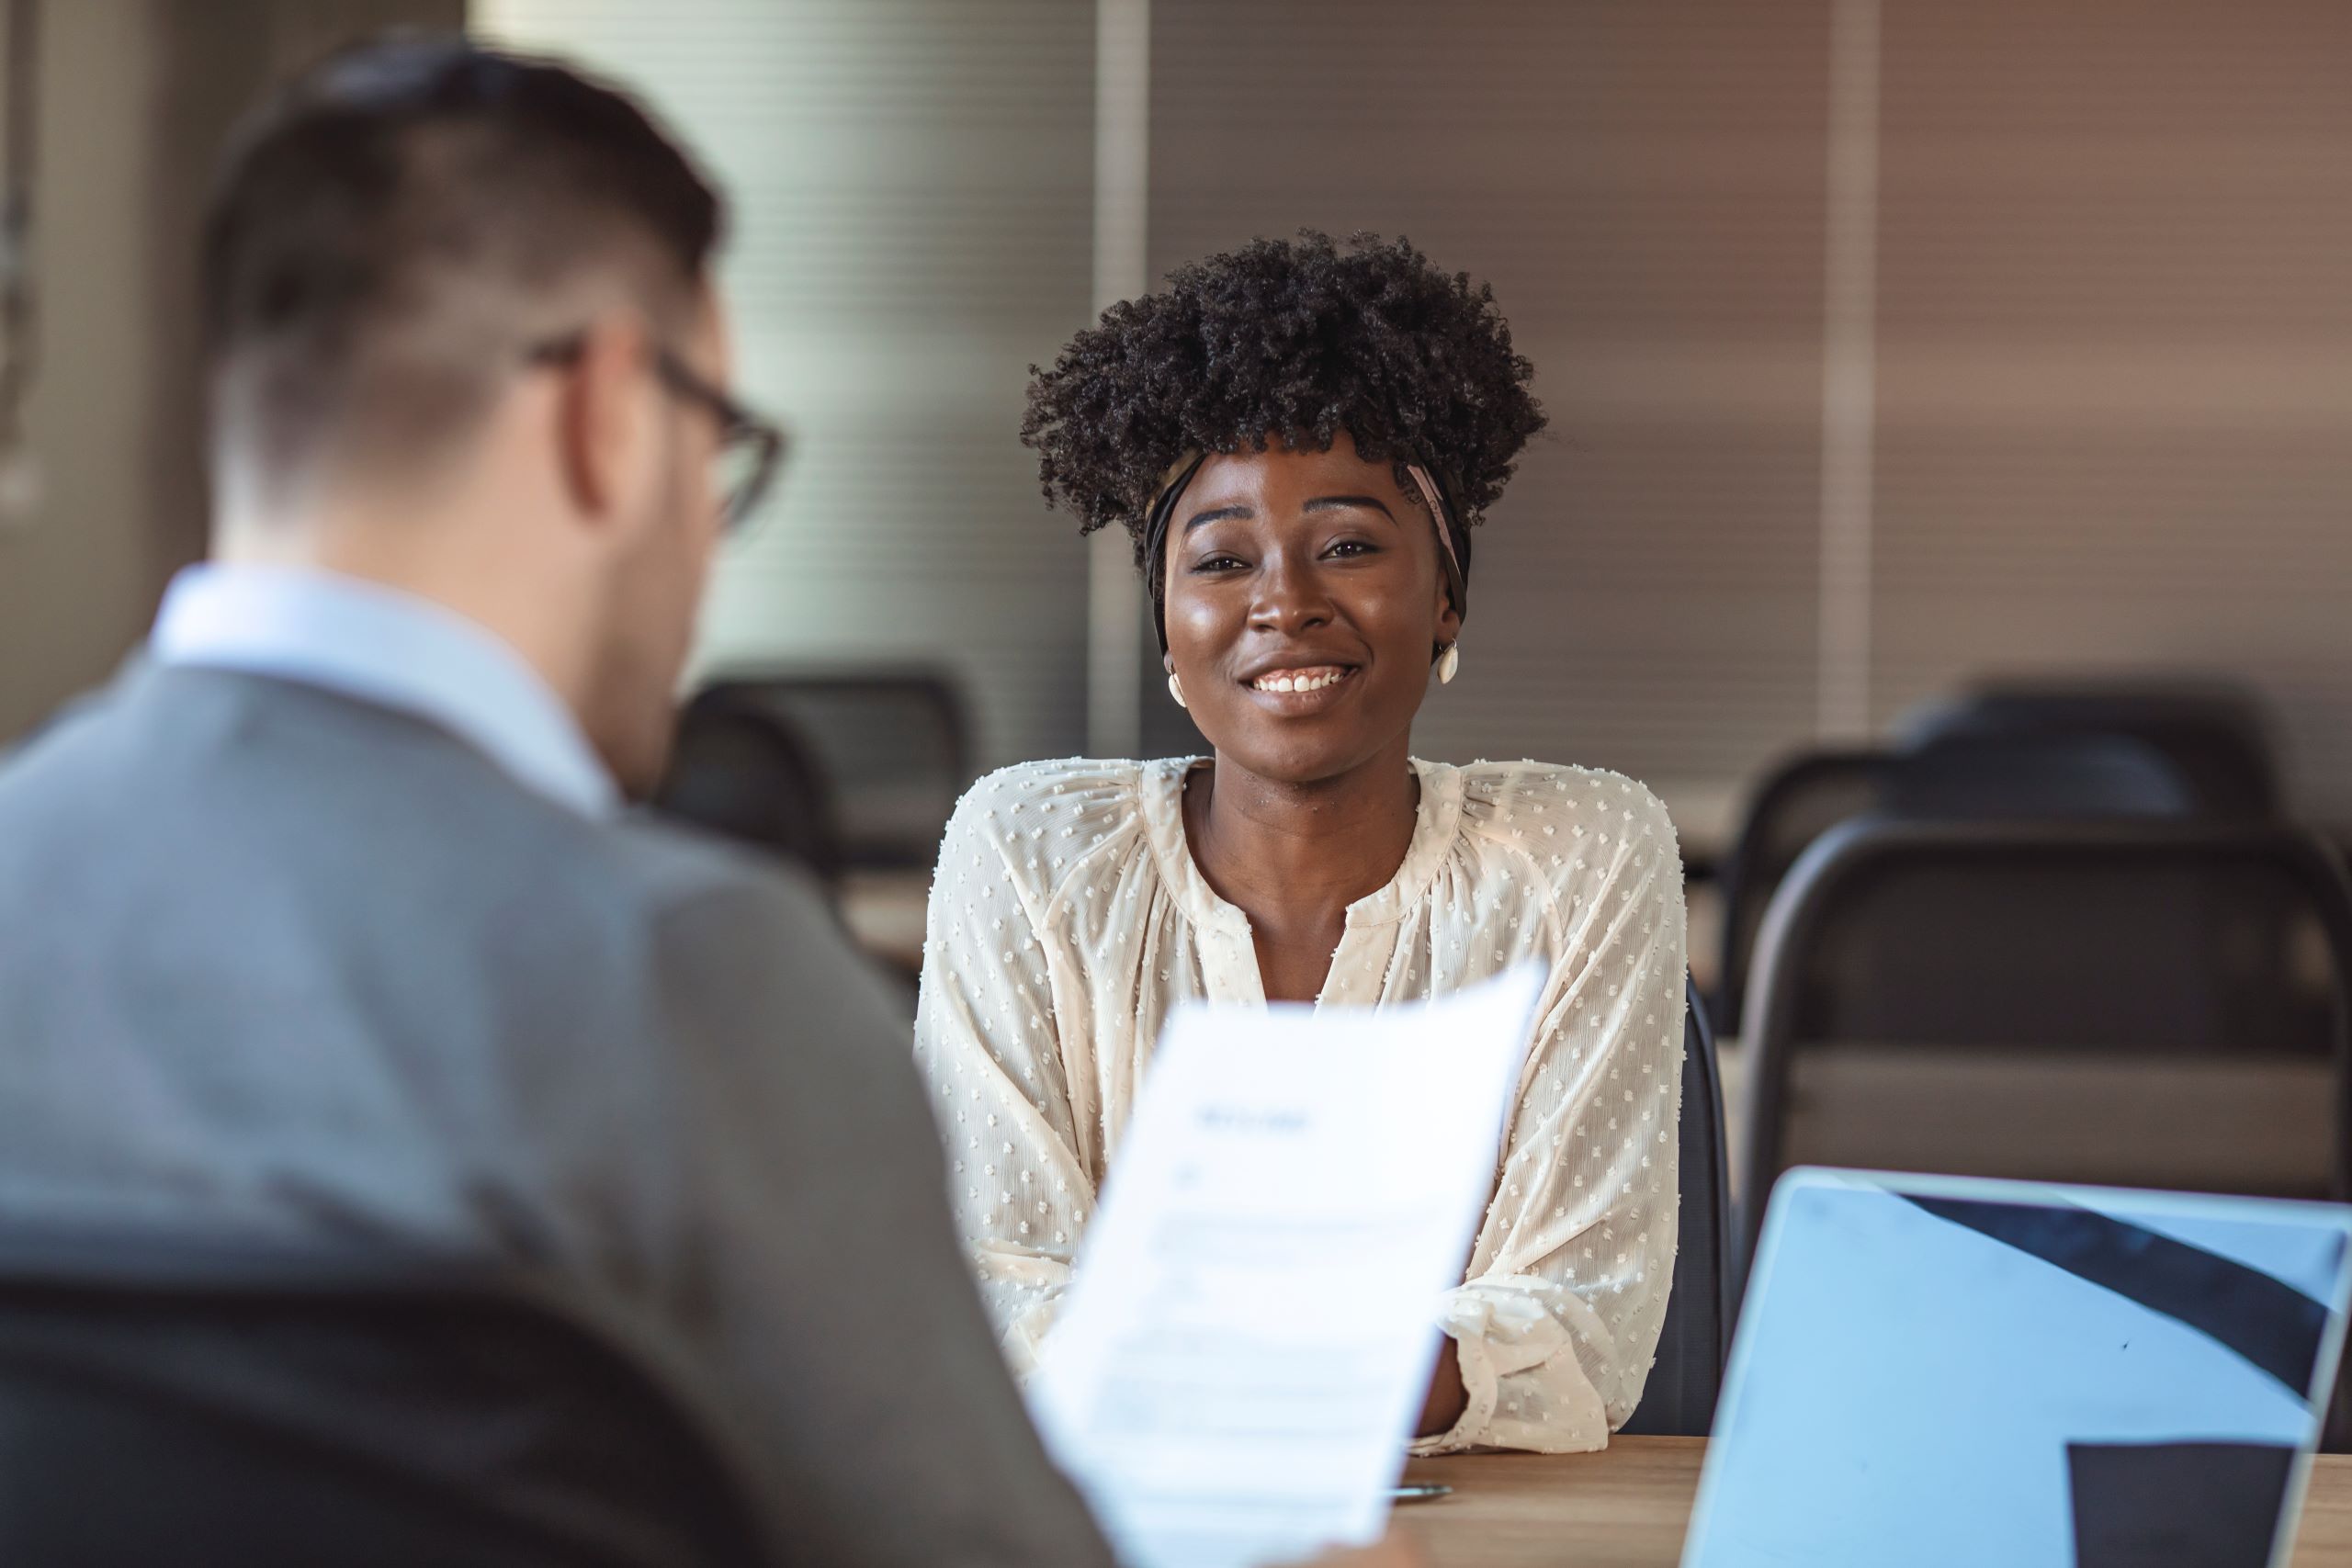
{"type": "Point", "coordinates": [182, 1404]}
{"type": "Point", "coordinates": [1679, 1398]}
{"type": "Point", "coordinates": [742, 771]}
{"type": "Point", "coordinates": [2141, 939]}
{"type": "Point", "coordinates": [1959, 776]}
{"type": "Point", "coordinates": [2216, 734]}
{"type": "Point", "coordinates": [894, 745]}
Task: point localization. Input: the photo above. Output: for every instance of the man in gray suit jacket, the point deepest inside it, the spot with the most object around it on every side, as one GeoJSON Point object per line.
{"type": "Point", "coordinates": [323, 924]}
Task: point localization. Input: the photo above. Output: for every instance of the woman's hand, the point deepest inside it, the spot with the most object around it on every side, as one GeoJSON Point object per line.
{"type": "Point", "coordinates": [1448, 1398]}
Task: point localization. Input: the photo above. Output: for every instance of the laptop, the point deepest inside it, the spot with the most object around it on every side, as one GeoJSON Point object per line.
{"type": "Point", "coordinates": [1935, 1371]}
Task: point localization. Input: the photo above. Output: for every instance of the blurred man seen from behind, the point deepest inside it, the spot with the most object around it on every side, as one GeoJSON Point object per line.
{"type": "Point", "coordinates": [323, 925]}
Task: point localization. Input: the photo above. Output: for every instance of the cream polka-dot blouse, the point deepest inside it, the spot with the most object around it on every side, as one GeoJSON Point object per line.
{"type": "Point", "coordinates": [1068, 919]}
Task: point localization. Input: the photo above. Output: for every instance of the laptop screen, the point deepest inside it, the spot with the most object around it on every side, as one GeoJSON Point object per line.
{"type": "Point", "coordinates": [1942, 1372]}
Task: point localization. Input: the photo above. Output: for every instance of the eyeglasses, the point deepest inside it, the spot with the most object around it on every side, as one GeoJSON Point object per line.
{"type": "Point", "coordinates": [751, 449]}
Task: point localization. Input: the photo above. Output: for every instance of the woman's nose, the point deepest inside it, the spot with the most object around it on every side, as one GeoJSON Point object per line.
{"type": "Point", "coordinates": [1291, 599]}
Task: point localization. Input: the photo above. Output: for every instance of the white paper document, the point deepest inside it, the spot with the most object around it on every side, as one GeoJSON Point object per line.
{"type": "Point", "coordinates": [1253, 1326]}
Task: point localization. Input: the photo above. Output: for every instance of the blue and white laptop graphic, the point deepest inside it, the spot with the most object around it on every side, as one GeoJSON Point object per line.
{"type": "Point", "coordinates": [1938, 1370]}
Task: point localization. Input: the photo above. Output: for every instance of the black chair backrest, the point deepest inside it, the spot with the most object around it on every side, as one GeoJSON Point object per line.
{"type": "Point", "coordinates": [2216, 734]}
{"type": "Point", "coordinates": [177, 1406]}
{"type": "Point", "coordinates": [1679, 1399]}
{"type": "Point", "coordinates": [895, 745]}
{"type": "Point", "coordinates": [2024, 778]}
{"type": "Point", "coordinates": [2140, 939]}
{"type": "Point", "coordinates": [742, 771]}
{"type": "Point", "coordinates": [745, 772]}
{"type": "Point", "coordinates": [1800, 799]}
{"type": "Point", "coordinates": [1961, 777]}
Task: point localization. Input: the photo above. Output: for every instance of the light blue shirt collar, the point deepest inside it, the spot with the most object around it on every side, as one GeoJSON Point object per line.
{"type": "Point", "coordinates": [393, 648]}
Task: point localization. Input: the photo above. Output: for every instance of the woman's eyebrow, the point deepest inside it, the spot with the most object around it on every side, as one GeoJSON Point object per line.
{"type": "Point", "coordinates": [1216, 514]}
{"type": "Point", "coordinates": [1333, 502]}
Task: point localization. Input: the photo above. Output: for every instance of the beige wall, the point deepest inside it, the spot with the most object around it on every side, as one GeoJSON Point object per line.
{"type": "Point", "coordinates": [76, 576]}
{"type": "Point", "coordinates": [2108, 404]}
{"type": "Point", "coordinates": [135, 95]}
{"type": "Point", "coordinates": [912, 192]}
{"type": "Point", "coordinates": [2115, 353]}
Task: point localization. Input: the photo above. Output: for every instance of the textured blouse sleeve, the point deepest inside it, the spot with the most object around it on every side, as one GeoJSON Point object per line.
{"type": "Point", "coordinates": [1558, 1320]}
{"type": "Point", "coordinates": [986, 1038]}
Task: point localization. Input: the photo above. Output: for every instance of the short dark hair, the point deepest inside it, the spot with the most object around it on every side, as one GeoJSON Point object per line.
{"type": "Point", "coordinates": [389, 229]}
{"type": "Point", "coordinates": [1286, 341]}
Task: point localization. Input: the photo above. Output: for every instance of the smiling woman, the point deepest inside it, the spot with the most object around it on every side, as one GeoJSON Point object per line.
{"type": "Point", "coordinates": [1299, 435]}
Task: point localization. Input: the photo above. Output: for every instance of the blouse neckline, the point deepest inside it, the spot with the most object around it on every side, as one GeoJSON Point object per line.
{"type": "Point", "coordinates": [1159, 788]}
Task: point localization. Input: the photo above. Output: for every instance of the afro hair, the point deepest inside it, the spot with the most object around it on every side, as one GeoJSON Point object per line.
{"type": "Point", "coordinates": [1290, 342]}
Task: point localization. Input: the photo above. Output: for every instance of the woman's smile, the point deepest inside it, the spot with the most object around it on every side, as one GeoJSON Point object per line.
{"type": "Point", "coordinates": [1294, 691]}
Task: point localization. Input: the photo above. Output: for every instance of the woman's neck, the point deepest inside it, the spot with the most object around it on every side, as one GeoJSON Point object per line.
{"type": "Point", "coordinates": [1292, 857]}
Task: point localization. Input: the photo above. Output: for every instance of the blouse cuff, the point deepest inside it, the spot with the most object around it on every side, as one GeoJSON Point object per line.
{"type": "Point", "coordinates": [1024, 1341]}
{"type": "Point", "coordinates": [1497, 1331]}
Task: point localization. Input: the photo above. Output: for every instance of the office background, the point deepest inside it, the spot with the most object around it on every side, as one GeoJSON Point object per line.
{"type": "Point", "coordinates": [1887, 342]}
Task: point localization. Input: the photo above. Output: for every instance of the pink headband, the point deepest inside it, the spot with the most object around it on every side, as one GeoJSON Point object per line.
{"type": "Point", "coordinates": [1436, 515]}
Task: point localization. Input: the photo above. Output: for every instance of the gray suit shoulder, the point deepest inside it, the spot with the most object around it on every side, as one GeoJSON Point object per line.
{"type": "Point", "coordinates": [676, 865]}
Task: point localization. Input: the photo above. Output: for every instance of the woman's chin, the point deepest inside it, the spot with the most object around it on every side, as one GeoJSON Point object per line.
{"type": "Point", "coordinates": [1301, 761]}
{"type": "Point", "coordinates": [1328, 735]}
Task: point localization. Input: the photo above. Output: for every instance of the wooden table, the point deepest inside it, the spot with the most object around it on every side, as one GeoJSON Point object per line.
{"type": "Point", "coordinates": [1626, 1509]}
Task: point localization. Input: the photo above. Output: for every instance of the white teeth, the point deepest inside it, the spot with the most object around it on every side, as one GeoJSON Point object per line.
{"type": "Point", "coordinates": [1301, 682]}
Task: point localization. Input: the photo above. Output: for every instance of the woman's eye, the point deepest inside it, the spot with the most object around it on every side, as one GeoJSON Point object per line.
{"type": "Point", "coordinates": [1346, 548]}
{"type": "Point", "coordinates": [1215, 563]}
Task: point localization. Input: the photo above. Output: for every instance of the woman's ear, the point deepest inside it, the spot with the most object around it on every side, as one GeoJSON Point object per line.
{"type": "Point", "coordinates": [1449, 619]}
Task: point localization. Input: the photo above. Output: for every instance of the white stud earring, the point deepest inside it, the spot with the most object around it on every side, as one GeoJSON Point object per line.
{"type": "Point", "coordinates": [1449, 664]}
{"type": "Point", "coordinates": [1176, 689]}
